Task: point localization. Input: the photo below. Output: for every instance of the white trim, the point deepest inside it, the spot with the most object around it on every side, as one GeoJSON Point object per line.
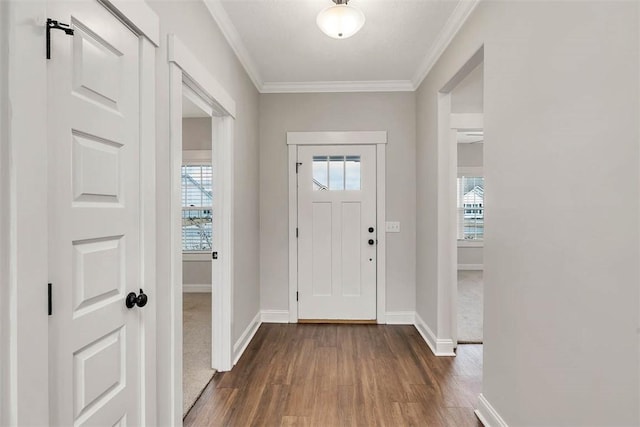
{"type": "Point", "coordinates": [400, 318]}
{"type": "Point", "coordinates": [487, 414]}
{"type": "Point", "coordinates": [337, 138]}
{"type": "Point", "coordinates": [185, 69]}
{"type": "Point", "coordinates": [466, 121]}
{"type": "Point", "coordinates": [448, 125]}
{"type": "Point", "coordinates": [193, 289]}
{"type": "Point", "coordinates": [381, 247]}
{"type": "Point", "coordinates": [197, 100]}
{"type": "Point", "coordinates": [243, 342]}
{"type": "Point", "coordinates": [275, 316]}
{"type": "Point", "coordinates": [5, 221]}
{"type": "Point", "coordinates": [138, 15]}
{"type": "Point", "coordinates": [181, 56]}
{"type": "Point", "coordinates": [293, 240]}
{"type": "Point", "coordinates": [235, 41]}
{"type": "Point", "coordinates": [148, 229]}
{"type": "Point", "coordinates": [377, 138]}
{"type": "Point", "coordinates": [455, 22]}
{"type": "Point", "coordinates": [339, 86]}
{"type": "Point", "coordinates": [471, 267]}
{"type": "Point", "coordinates": [25, 148]}
{"type": "Point", "coordinates": [439, 347]}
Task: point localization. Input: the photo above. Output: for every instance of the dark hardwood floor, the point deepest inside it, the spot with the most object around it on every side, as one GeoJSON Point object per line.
{"type": "Point", "coordinates": [342, 375]}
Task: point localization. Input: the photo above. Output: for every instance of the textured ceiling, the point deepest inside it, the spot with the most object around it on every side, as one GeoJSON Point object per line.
{"type": "Point", "coordinates": [284, 45]}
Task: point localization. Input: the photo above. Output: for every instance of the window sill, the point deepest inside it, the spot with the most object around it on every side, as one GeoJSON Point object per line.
{"type": "Point", "coordinates": [470, 244]}
{"type": "Point", "coordinates": [196, 256]}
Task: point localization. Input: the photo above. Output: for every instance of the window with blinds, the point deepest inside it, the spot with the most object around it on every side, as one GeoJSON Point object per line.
{"type": "Point", "coordinates": [197, 203]}
{"type": "Point", "coordinates": [470, 208]}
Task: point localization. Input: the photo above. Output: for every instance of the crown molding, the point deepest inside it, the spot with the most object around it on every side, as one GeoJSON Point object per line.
{"type": "Point", "coordinates": [461, 13]}
{"type": "Point", "coordinates": [344, 86]}
{"type": "Point", "coordinates": [235, 41]}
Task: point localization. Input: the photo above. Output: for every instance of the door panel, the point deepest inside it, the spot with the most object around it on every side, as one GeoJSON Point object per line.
{"type": "Point", "coordinates": [336, 207]}
{"type": "Point", "coordinates": [94, 219]}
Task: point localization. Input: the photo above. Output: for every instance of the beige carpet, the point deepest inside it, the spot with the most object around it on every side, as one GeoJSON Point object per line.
{"type": "Point", "coordinates": [196, 341]}
{"type": "Point", "coordinates": [470, 306]}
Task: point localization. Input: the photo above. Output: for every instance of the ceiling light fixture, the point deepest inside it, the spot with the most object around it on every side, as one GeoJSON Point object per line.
{"type": "Point", "coordinates": [340, 21]}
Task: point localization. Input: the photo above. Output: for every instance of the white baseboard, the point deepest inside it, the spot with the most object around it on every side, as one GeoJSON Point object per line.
{"type": "Point", "coordinates": [439, 347]}
{"type": "Point", "coordinates": [196, 288]}
{"type": "Point", "coordinates": [470, 266]}
{"type": "Point", "coordinates": [275, 316]}
{"type": "Point", "coordinates": [243, 342]}
{"type": "Point", "coordinates": [400, 317]}
{"type": "Point", "coordinates": [487, 414]}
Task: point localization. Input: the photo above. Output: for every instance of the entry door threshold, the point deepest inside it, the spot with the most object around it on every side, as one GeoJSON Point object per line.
{"type": "Point", "coordinates": [340, 321]}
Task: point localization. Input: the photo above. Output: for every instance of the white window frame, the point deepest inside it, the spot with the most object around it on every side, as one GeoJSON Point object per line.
{"type": "Point", "coordinates": [477, 171]}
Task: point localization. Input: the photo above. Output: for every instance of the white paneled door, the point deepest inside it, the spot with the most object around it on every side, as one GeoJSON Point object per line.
{"type": "Point", "coordinates": [337, 232]}
{"type": "Point", "coordinates": [95, 340]}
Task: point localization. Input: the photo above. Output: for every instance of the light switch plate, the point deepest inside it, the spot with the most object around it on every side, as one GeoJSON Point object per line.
{"type": "Point", "coordinates": [393, 226]}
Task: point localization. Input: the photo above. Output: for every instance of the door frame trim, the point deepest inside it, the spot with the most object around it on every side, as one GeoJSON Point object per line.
{"type": "Point", "coordinates": [377, 138]}
{"type": "Point", "coordinates": [24, 340]}
{"type": "Point", "coordinates": [185, 70]}
{"type": "Point", "coordinates": [447, 239]}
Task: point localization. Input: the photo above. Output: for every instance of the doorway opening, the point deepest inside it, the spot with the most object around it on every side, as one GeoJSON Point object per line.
{"type": "Point", "coordinates": [205, 227]}
{"type": "Point", "coordinates": [467, 132]}
{"type": "Point", "coordinates": [197, 246]}
{"type": "Point", "coordinates": [470, 235]}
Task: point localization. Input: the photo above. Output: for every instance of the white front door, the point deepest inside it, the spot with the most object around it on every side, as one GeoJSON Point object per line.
{"type": "Point", "coordinates": [337, 232]}
{"type": "Point", "coordinates": [96, 344]}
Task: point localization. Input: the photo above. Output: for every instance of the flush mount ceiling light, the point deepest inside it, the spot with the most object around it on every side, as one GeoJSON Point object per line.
{"type": "Point", "coordinates": [340, 21]}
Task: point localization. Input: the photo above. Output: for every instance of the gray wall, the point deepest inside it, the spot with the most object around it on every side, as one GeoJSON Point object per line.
{"type": "Point", "coordinates": [561, 127]}
{"type": "Point", "coordinates": [196, 135]}
{"type": "Point", "coordinates": [193, 24]}
{"type": "Point", "coordinates": [393, 112]}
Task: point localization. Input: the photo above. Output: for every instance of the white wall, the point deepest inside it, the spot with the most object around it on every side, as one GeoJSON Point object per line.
{"type": "Point", "coordinates": [393, 112]}
{"type": "Point", "coordinates": [4, 219]}
{"type": "Point", "coordinates": [23, 298]}
{"type": "Point", "coordinates": [193, 24]}
{"type": "Point", "coordinates": [468, 95]}
{"type": "Point", "coordinates": [196, 135]}
{"type": "Point", "coordinates": [561, 296]}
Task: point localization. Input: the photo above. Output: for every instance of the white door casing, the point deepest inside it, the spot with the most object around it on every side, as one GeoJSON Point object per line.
{"type": "Point", "coordinates": [379, 140]}
{"type": "Point", "coordinates": [97, 349]}
{"type": "Point", "coordinates": [185, 70]}
{"type": "Point", "coordinates": [337, 232]}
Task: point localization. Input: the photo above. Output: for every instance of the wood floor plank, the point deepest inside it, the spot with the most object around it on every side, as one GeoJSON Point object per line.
{"type": "Point", "coordinates": [342, 375]}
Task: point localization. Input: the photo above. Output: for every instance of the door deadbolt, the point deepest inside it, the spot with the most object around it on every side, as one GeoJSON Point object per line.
{"type": "Point", "coordinates": [371, 230]}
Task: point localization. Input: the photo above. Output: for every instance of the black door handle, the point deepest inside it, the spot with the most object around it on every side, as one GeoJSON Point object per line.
{"type": "Point", "coordinates": [371, 241]}
{"type": "Point", "coordinates": [139, 300]}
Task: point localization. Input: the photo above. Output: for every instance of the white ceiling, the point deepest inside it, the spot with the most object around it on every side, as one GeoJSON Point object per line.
{"type": "Point", "coordinates": [283, 50]}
